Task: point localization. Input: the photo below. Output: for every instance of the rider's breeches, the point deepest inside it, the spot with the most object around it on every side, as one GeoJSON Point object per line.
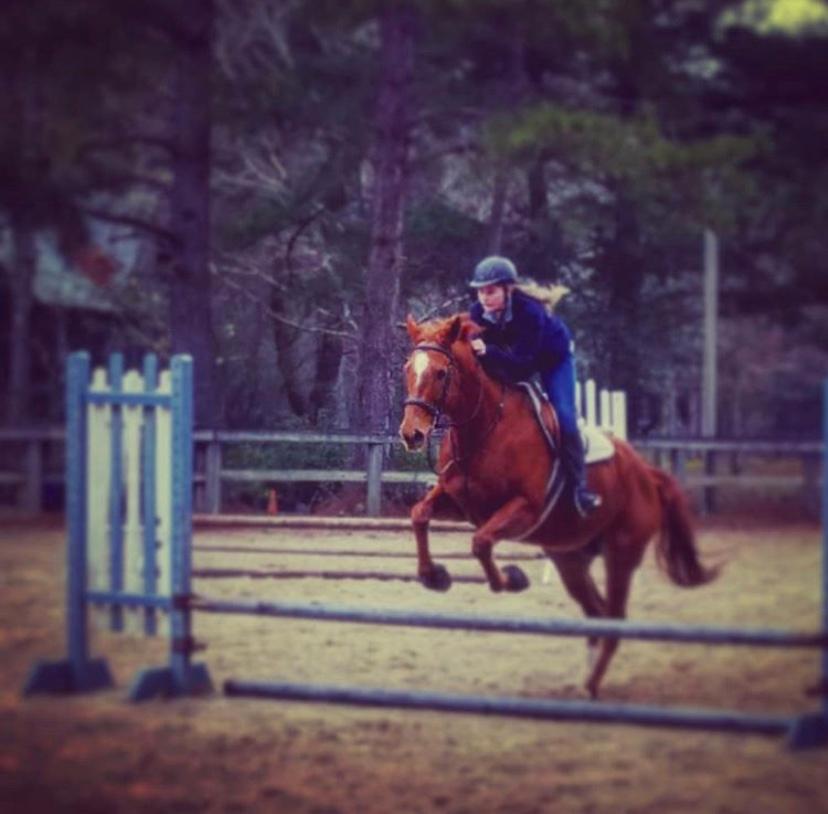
{"type": "Point", "coordinates": [560, 387]}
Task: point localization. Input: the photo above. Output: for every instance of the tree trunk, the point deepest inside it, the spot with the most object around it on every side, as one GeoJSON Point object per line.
{"type": "Point", "coordinates": [191, 327]}
{"type": "Point", "coordinates": [390, 172]}
{"type": "Point", "coordinates": [21, 280]}
{"type": "Point", "coordinates": [498, 209]}
{"type": "Point", "coordinates": [292, 355]}
{"type": "Point", "coordinates": [536, 183]}
{"type": "Point", "coordinates": [23, 144]}
{"type": "Point", "coordinates": [622, 265]}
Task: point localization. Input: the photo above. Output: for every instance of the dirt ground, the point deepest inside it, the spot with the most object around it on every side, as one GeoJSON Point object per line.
{"type": "Point", "coordinates": [99, 753]}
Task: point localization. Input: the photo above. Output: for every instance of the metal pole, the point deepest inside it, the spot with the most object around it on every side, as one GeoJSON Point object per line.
{"type": "Point", "coordinates": [709, 378]}
{"type": "Point", "coordinates": [711, 307]}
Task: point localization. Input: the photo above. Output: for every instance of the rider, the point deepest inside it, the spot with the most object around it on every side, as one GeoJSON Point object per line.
{"type": "Point", "coordinates": [520, 339]}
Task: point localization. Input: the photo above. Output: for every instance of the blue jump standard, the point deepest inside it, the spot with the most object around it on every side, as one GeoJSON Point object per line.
{"type": "Point", "coordinates": [78, 672]}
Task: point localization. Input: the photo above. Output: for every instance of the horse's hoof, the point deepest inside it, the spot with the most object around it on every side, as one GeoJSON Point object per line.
{"type": "Point", "coordinates": [437, 579]}
{"type": "Point", "coordinates": [516, 579]}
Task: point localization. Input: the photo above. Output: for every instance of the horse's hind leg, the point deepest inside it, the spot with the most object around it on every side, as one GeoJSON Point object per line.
{"type": "Point", "coordinates": [620, 563]}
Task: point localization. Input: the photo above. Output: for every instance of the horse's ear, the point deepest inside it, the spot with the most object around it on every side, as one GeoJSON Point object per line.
{"type": "Point", "coordinates": [453, 331]}
{"type": "Point", "coordinates": [413, 329]}
{"type": "Point", "coordinates": [470, 330]}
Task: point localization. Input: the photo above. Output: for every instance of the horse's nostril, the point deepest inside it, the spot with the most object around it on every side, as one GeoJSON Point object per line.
{"type": "Point", "coordinates": [413, 439]}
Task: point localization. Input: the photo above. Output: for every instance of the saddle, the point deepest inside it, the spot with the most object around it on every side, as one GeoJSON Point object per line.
{"type": "Point", "coordinates": [597, 444]}
{"type": "Point", "coordinates": [597, 447]}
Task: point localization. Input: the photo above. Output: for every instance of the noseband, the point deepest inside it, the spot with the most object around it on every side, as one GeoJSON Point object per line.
{"type": "Point", "coordinates": [434, 410]}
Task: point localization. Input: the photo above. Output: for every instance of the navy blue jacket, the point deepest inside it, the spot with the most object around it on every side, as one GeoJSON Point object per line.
{"type": "Point", "coordinates": [526, 341]}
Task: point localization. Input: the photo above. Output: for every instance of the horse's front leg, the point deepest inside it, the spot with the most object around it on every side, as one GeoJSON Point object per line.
{"type": "Point", "coordinates": [510, 520]}
{"type": "Point", "coordinates": [432, 575]}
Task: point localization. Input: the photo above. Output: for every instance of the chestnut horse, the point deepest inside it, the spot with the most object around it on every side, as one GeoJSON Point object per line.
{"type": "Point", "coordinates": [494, 466]}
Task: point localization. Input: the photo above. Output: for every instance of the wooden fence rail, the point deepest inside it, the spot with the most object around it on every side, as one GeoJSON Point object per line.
{"type": "Point", "coordinates": [31, 463]}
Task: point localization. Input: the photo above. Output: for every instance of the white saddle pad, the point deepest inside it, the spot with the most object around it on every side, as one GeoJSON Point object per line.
{"type": "Point", "coordinates": [598, 445]}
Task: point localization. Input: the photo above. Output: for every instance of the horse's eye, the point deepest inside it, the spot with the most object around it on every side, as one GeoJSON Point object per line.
{"type": "Point", "coordinates": [441, 374]}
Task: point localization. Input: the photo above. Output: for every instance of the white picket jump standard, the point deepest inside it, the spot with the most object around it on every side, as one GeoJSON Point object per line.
{"type": "Point", "coordinates": [129, 513]}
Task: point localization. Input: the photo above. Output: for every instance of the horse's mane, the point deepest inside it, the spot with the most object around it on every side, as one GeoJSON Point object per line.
{"type": "Point", "coordinates": [439, 329]}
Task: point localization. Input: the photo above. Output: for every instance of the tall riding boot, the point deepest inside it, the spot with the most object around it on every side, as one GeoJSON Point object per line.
{"type": "Point", "coordinates": [572, 460]}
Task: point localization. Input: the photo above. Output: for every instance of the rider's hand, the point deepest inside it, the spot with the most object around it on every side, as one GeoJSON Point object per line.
{"type": "Point", "coordinates": [478, 346]}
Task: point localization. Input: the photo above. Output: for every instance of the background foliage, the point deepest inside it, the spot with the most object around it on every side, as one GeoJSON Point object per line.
{"type": "Point", "coordinates": [593, 142]}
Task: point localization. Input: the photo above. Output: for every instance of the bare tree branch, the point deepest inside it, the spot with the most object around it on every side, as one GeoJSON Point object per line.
{"type": "Point", "coordinates": [296, 234]}
{"type": "Point", "coordinates": [452, 302]}
{"type": "Point", "coordinates": [230, 283]}
{"type": "Point", "coordinates": [118, 142]}
{"type": "Point", "coordinates": [130, 220]}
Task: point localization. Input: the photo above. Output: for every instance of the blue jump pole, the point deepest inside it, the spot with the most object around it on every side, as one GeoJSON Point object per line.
{"type": "Point", "coordinates": [515, 707]}
{"type": "Point", "coordinates": [576, 628]}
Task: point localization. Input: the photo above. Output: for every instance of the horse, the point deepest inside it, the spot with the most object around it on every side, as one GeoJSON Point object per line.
{"type": "Point", "coordinates": [494, 465]}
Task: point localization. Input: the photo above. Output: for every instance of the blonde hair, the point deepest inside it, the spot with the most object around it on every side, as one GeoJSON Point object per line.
{"type": "Point", "coordinates": [548, 295]}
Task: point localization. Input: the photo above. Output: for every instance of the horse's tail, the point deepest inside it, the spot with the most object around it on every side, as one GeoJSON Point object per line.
{"type": "Point", "coordinates": [676, 550]}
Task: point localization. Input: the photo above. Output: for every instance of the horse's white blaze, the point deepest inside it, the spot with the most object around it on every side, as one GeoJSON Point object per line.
{"type": "Point", "coordinates": [420, 365]}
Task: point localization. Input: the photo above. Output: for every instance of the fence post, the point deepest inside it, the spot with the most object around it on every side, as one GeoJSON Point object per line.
{"type": "Point", "coordinates": [212, 472]}
{"type": "Point", "coordinates": [199, 487]}
{"type": "Point", "coordinates": [374, 476]}
{"type": "Point", "coordinates": [810, 484]}
{"type": "Point", "coordinates": [709, 491]}
{"type": "Point", "coordinates": [677, 463]}
{"type": "Point", "coordinates": [31, 499]}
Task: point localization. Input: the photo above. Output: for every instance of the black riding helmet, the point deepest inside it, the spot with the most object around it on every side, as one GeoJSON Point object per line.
{"type": "Point", "coordinates": [493, 270]}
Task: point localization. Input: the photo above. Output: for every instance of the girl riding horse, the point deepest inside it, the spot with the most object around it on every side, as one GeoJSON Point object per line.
{"type": "Point", "coordinates": [521, 339]}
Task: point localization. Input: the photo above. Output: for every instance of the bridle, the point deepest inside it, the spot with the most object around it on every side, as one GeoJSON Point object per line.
{"type": "Point", "coordinates": [434, 410]}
